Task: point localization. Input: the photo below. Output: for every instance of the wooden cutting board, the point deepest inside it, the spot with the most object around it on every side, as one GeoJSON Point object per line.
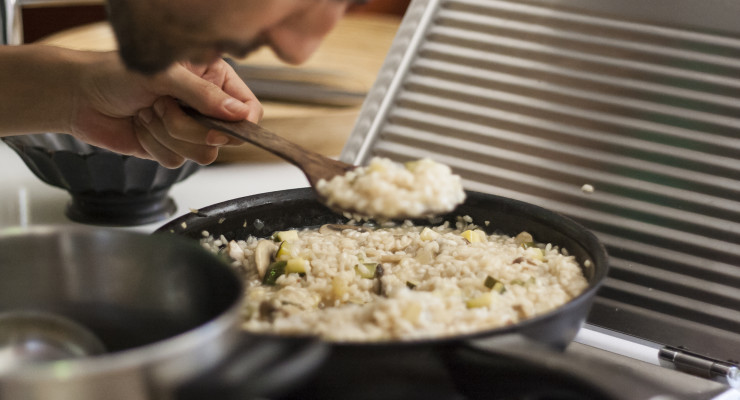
{"type": "Point", "coordinates": [351, 54]}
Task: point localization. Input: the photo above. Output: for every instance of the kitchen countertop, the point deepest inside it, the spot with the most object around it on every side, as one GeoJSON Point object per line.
{"type": "Point", "coordinates": [25, 198]}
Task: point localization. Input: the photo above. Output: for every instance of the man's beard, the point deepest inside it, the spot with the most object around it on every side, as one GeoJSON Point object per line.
{"type": "Point", "coordinates": [135, 45]}
{"type": "Point", "coordinates": [147, 61]}
{"type": "Point", "coordinates": [144, 51]}
{"type": "Point", "coordinates": [152, 57]}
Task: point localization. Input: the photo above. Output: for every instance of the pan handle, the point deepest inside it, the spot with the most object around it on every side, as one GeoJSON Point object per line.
{"type": "Point", "coordinates": [260, 366]}
{"type": "Point", "coordinates": [513, 366]}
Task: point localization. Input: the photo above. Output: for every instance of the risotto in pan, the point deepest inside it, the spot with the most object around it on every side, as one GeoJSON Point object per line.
{"type": "Point", "coordinates": [366, 283]}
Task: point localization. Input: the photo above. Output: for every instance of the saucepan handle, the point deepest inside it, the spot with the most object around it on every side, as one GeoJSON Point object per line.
{"type": "Point", "coordinates": [260, 366]}
{"type": "Point", "coordinates": [514, 366]}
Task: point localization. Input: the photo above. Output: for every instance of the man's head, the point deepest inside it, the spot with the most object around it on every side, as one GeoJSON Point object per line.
{"type": "Point", "coordinates": [152, 34]}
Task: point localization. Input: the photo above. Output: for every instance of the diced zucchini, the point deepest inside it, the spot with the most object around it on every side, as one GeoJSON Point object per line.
{"type": "Point", "coordinates": [412, 284]}
{"type": "Point", "coordinates": [283, 252]}
{"type": "Point", "coordinates": [495, 284]}
{"type": "Point", "coordinates": [484, 300]}
{"type": "Point", "coordinates": [367, 270]}
{"type": "Point", "coordinates": [282, 236]}
{"type": "Point", "coordinates": [295, 266]}
{"type": "Point", "coordinates": [531, 281]}
{"type": "Point", "coordinates": [524, 239]}
{"type": "Point", "coordinates": [273, 272]}
{"type": "Point", "coordinates": [472, 236]}
{"type": "Point", "coordinates": [536, 253]}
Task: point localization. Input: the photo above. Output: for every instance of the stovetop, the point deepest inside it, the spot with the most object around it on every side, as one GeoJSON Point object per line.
{"type": "Point", "coordinates": [531, 99]}
{"type": "Point", "coordinates": [24, 199]}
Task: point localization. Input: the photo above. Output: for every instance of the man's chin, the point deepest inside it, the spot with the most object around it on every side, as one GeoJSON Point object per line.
{"type": "Point", "coordinates": [146, 68]}
{"type": "Point", "coordinates": [243, 51]}
{"type": "Point", "coordinates": [153, 65]}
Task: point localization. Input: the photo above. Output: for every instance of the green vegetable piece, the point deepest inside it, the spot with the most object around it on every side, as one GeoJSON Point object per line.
{"type": "Point", "coordinates": [295, 266]}
{"type": "Point", "coordinates": [273, 272]}
{"type": "Point", "coordinates": [483, 300]}
{"type": "Point", "coordinates": [282, 236]}
{"type": "Point", "coordinates": [524, 239]}
{"type": "Point", "coordinates": [412, 284]}
{"type": "Point", "coordinates": [494, 284]}
{"type": "Point", "coordinates": [283, 251]}
{"type": "Point", "coordinates": [368, 272]}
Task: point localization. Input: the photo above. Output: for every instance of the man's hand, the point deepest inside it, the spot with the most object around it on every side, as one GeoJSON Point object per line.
{"type": "Point", "coordinates": [140, 115]}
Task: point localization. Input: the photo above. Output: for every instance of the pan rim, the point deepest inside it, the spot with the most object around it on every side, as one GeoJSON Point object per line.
{"type": "Point", "coordinates": [589, 241]}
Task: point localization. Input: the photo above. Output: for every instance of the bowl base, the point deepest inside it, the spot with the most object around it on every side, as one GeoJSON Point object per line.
{"type": "Point", "coordinates": [115, 209]}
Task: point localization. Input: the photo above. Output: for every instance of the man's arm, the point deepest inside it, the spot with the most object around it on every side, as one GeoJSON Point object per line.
{"type": "Point", "coordinates": [38, 85]}
{"type": "Point", "coordinates": [92, 96]}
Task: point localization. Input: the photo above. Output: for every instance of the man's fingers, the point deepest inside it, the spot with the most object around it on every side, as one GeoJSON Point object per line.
{"type": "Point", "coordinates": [156, 151]}
{"type": "Point", "coordinates": [208, 98]}
{"type": "Point", "coordinates": [218, 92]}
{"type": "Point", "coordinates": [181, 127]}
{"type": "Point", "coordinates": [157, 139]}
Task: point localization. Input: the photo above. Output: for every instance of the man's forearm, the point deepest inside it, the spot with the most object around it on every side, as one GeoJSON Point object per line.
{"type": "Point", "coordinates": [37, 88]}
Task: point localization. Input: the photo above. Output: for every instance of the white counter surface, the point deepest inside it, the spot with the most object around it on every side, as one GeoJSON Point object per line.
{"type": "Point", "coordinates": [24, 198]}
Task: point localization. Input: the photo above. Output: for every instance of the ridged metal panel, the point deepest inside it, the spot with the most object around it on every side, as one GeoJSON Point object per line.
{"type": "Point", "coordinates": [533, 99]}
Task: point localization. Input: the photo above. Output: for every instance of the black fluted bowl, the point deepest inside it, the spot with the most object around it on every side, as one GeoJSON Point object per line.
{"type": "Point", "coordinates": [106, 188]}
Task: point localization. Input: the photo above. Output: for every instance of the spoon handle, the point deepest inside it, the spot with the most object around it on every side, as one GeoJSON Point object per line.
{"type": "Point", "coordinates": [314, 165]}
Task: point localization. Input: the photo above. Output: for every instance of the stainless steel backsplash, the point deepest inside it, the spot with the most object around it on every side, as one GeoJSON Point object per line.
{"type": "Point", "coordinates": [640, 99]}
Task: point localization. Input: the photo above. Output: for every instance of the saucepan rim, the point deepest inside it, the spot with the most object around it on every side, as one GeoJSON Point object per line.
{"type": "Point", "coordinates": [189, 340]}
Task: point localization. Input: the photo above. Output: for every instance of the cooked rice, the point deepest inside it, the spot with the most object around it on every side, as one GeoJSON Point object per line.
{"type": "Point", "coordinates": [385, 189]}
{"type": "Point", "coordinates": [434, 282]}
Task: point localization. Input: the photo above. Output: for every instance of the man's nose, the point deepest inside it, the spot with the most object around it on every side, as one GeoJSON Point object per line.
{"type": "Point", "coordinates": [293, 47]}
{"type": "Point", "coordinates": [294, 40]}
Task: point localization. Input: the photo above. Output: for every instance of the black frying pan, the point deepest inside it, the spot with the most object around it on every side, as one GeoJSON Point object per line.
{"type": "Point", "coordinates": [466, 365]}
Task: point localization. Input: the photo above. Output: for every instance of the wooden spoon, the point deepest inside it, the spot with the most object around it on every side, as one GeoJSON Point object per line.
{"type": "Point", "coordinates": [314, 165]}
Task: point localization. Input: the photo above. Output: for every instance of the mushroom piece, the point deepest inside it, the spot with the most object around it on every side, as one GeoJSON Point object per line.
{"type": "Point", "coordinates": [263, 254]}
{"type": "Point", "coordinates": [267, 310]}
{"type": "Point", "coordinates": [379, 271]}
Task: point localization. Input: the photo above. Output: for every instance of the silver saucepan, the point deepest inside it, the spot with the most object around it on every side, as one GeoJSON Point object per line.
{"type": "Point", "coordinates": [91, 313]}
